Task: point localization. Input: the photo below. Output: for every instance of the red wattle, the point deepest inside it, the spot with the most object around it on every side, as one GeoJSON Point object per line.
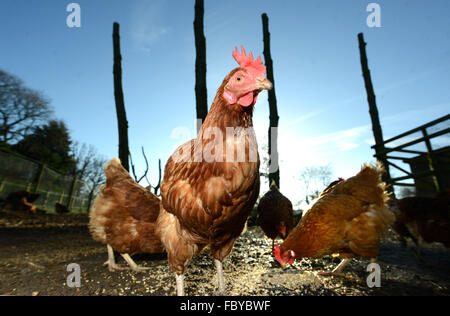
{"type": "Point", "coordinates": [246, 99]}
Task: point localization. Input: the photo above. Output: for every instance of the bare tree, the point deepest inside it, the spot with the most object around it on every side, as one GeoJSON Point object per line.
{"type": "Point", "coordinates": [21, 108]}
{"type": "Point", "coordinates": [95, 177]}
{"type": "Point", "coordinates": [265, 161]}
{"type": "Point", "coordinates": [138, 180]}
{"type": "Point", "coordinates": [315, 179]}
{"type": "Point", "coordinates": [84, 155]}
{"type": "Point", "coordinates": [89, 168]}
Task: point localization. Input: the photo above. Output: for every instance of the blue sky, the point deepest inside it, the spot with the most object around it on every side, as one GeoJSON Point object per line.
{"type": "Point", "coordinates": [320, 91]}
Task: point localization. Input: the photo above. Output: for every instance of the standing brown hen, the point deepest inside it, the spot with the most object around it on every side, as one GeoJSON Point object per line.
{"type": "Point", "coordinates": [123, 217]}
{"type": "Point", "coordinates": [346, 220]}
{"type": "Point", "coordinates": [275, 214]}
{"type": "Point", "coordinates": [211, 183]}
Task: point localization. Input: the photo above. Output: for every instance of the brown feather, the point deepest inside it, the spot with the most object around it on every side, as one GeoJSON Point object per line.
{"type": "Point", "coordinates": [124, 214]}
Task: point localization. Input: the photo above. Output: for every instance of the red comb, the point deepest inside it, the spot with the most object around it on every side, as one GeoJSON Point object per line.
{"type": "Point", "coordinates": [247, 62]}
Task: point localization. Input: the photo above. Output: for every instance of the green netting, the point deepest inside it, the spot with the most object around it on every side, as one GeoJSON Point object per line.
{"type": "Point", "coordinates": [17, 168]}
{"type": "Point", "coordinates": [18, 173]}
{"type": "Point", "coordinates": [54, 181]}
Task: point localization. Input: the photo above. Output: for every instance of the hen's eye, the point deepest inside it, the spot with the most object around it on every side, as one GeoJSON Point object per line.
{"type": "Point", "coordinates": [239, 78]}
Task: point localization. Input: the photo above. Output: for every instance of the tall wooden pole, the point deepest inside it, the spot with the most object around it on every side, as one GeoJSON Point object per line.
{"type": "Point", "coordinates": [373, 110]}
{"type": "Point", "coordinates": [120, 105]}
{"type": "Point", "coordinates": [273, 116]}
{"type": "Point", "coordinates": [200, 64]}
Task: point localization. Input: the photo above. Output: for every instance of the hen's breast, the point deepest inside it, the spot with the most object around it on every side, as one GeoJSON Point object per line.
{"type": "Point", "coordinates": [211, 198]}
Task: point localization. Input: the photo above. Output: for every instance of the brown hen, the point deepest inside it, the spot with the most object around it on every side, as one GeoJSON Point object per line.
{"type": "Point", "coordinates": [275, 214]}
{"type": "Point", "coordinates": [347, 220]}
{"type": "Point", "coordinates": [211, 183]}
{"type": "Point", "coordinates": [124, 216]}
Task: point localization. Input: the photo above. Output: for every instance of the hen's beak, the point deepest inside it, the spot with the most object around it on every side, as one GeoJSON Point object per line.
{"type": "Point", "coordinates": [263, 84]}
{"type": "Point", "coordinates": [283, 232]}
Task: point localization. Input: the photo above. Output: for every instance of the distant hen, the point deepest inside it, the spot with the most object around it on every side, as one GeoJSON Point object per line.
{"type": "Point", "coordinates": [275, 214]}
{"type": "Point", "coordinates": [423, 219]}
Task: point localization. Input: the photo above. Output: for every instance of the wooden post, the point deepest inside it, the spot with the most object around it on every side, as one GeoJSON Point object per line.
{"type": "Point", "coordinates": [39, 179]}
{"type": "Point", "coordinates": [432, 162]}
{"type": "Point", "coordinates": [47, 195]}
{"type": "Point", "coordinates": [376, 126]}
{"type": "Point", "coordinates": [273, 116]}
{"type": "Point", "coordinates": [72, 193]}
{"type": "Point", "coordinates": [200, 64]}
{"type": "Point", "coordinates": [120, 105]}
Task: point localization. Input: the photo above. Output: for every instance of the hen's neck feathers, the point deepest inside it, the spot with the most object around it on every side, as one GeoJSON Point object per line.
{"type": "Point", "coordinates": [223, 115]}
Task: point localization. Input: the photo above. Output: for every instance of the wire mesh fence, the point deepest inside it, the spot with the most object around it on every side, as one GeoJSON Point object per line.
{"type": "Point", "coordinates": [18, 173]}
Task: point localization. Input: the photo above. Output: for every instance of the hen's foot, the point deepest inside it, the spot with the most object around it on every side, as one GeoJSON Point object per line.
{"type": "Point", "coordinates": [112, 267]}
{"type": "Point", "coordinates": [133, 264]}
{"type": "Point", "coordinates": [340, 275]}
{"type": "Point", "coordinates": [140, 269]}
{"type": "Point", "coordinates": [329, 273]}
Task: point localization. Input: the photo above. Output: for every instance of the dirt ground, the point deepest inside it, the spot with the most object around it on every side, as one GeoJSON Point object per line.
{"type": "Point", "coordinates": [35, 251]}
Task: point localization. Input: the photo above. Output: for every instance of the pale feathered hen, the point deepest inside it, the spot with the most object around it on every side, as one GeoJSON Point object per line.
{"type": "Point", "coordinates": [124, 216]}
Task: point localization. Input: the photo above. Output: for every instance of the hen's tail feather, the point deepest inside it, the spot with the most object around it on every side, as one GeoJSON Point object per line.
{"type": "Point", "coordinates": [378, 217]}
{"type": "Point", "coordinates": [114, 169]}
{"type": "Point", "coordinates": [367, 185]}
{"type": "Point", "coordinates": [106, 201]}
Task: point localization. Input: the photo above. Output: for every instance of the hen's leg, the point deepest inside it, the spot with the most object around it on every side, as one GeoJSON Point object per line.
{"type": "Point", "coordinates": [338, 270]}
{"type": "Point", "coordinates": [341, 265]}
{"type": "Point", "coordinates": [419, 242]}
{"type": "Point", "coordinates": [180, 284]}
{"type": "Point", "coordinates": [220, 278]}
{"type": "Point", "coordinates": [111, 262]}
{"type": "Point", "coordinates": [133, 264]}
